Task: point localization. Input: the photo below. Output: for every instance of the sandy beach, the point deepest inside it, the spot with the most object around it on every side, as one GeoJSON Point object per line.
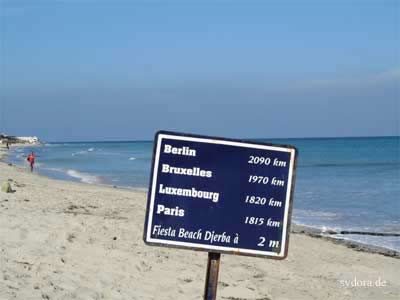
{"type": "Point", "coordinates": [64, 240]}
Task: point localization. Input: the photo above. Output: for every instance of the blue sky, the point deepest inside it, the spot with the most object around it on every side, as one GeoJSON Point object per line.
{"type": "Point", "coordinates": [121, 70]}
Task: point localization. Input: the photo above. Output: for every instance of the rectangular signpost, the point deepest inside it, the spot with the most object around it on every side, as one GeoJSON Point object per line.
{"type": "Point", "coordinates": [220, 196]}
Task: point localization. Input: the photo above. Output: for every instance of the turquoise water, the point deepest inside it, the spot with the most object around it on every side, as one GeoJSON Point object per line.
{"type": "Point", "coordinates": [342, 183]}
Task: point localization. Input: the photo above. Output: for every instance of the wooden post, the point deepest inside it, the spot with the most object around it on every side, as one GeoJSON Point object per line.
{"type": "Point", "coordinates": [210, 291]}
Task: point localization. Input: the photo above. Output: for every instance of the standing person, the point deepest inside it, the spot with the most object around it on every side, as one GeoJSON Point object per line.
{"type": "Point", "coordinates": [31, 160]}
{"type": "Point", "coordinates": [8, 146]}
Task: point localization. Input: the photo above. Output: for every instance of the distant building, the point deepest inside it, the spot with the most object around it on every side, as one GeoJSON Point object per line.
{"type": "Point", "coordinates": [28, 139]}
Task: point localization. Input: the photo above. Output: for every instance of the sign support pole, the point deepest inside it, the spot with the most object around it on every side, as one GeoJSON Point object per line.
{"type": "Point", "coordinates": [210, 291]}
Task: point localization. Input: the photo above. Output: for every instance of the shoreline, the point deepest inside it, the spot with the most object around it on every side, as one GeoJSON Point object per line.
{"type": "Point", "coordinates": [316, 232]}
{"type": "Point", "coordinates": [311, 231]}
{"type": "Point", "coordinates": [4, 154]}
{"type": "Point", "coordinates": [69, 240]}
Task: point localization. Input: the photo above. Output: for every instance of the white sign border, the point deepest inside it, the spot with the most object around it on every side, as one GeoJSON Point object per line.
{"type": "Point", "coordinates": [149, 223]}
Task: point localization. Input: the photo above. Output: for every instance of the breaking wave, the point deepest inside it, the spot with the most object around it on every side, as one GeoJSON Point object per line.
{"type": "Point", "coordinates": [83, 177]}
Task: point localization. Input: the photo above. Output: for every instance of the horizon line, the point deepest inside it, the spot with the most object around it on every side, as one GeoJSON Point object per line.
{"type": "Point", "coordinates": [250, 139]}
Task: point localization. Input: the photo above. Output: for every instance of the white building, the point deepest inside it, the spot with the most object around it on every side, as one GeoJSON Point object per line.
{"type": "Point", "coordinates": [28, 139]}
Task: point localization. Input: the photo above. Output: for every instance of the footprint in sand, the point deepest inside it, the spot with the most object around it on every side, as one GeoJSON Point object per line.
{"type": "Point", "coordinates": [143, 267]}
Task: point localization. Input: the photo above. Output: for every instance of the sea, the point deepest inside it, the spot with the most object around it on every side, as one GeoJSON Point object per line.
{"type": "Point", "coordinates": [350, 184]}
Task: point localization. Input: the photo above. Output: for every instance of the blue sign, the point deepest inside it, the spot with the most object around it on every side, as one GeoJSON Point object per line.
{"type": "Point", "coordinates": [220, 195]}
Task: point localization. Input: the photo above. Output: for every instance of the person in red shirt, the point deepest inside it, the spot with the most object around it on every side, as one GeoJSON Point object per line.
{"type": "Point", "coordinates": [31, 160]}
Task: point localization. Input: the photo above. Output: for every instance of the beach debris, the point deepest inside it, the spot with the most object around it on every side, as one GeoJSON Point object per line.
{"type": "Point", "coordinates": [26, 200]}
{"type": "Point", "coordinates": [258, 275]}
{"type": "Point", "coordinates": [45, 296]}
{"type": "Point", "coordinates": [71, 237]}
{"type": "Point", "coordinates": [25, 265]}
{"type": "Point", "coordinates": [114, 238]}
{"type": "Point", "coordinates": [73, 206]}
{"type": "Point", "coordinates": [6, 187]}
{"type": "Point", "coordinates": [364, 233]}
{"type": "Point", "coordinates": [75, 209]}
